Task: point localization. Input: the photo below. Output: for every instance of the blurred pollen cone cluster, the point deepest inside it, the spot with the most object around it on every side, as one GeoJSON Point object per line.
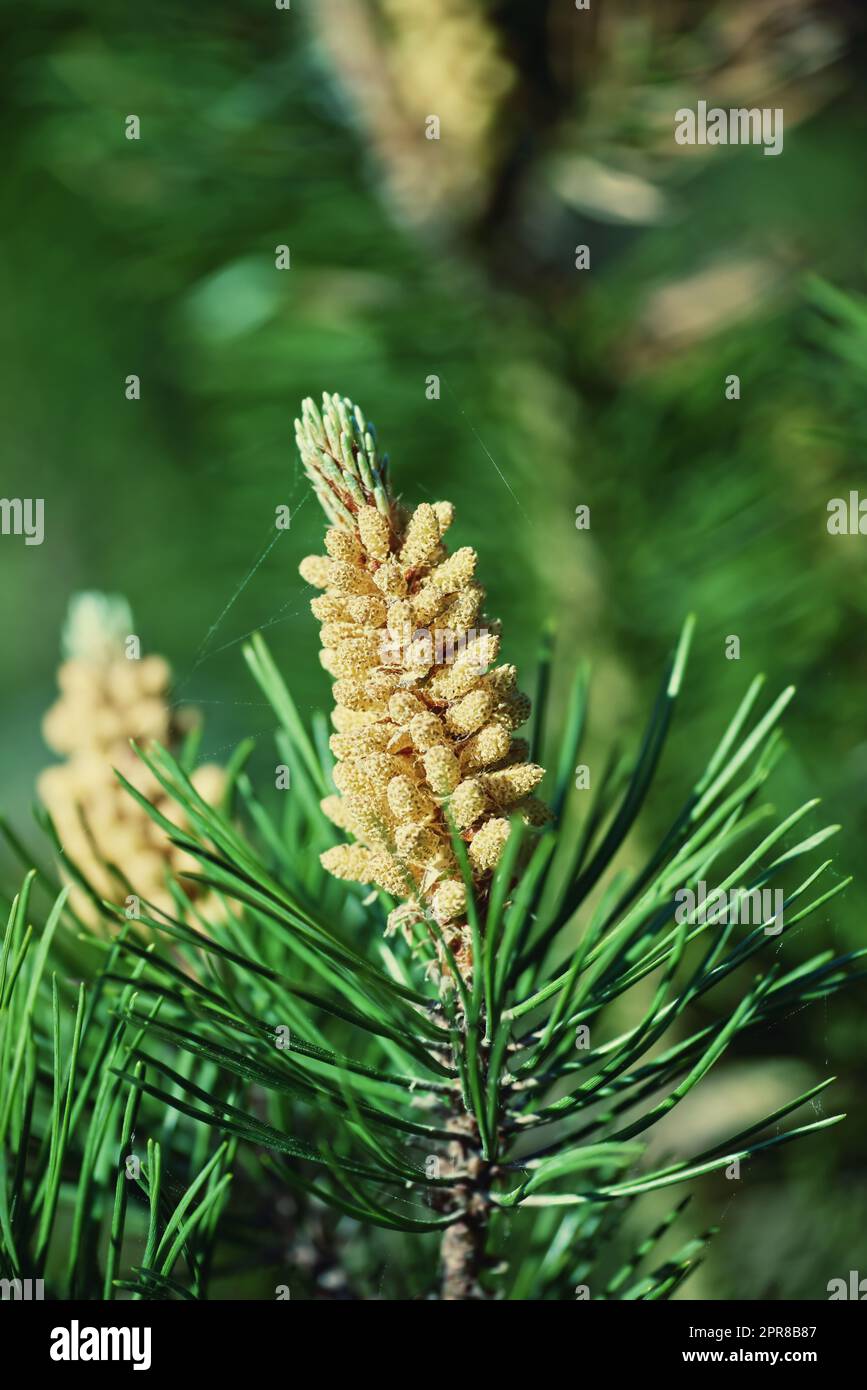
{"type": "Point", "coordinates": [424, 717]}
{"type": "Point", "coordinates": [403, 62]}
{"type": "Point", "coordinates": [107, 699]}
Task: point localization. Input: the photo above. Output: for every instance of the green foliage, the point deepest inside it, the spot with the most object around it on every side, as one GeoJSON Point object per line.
{"type": "Point", "coordinates": [288, 1024]}
{"type": "Point", "coordinates": [68, 1156]}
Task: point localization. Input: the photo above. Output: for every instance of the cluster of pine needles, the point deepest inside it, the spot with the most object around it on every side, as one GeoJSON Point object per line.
{"type": "Point", "coordinates": [193, 1104]}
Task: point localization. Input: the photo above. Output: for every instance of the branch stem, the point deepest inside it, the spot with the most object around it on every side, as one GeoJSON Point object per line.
{"type": "Point", "coordinates": [463, 1248]}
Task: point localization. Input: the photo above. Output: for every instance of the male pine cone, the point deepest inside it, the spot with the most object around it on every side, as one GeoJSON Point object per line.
{"type": "Point", "coordinates": [424, 717]}
{"type": "Point", "coordinates": [105, 701]}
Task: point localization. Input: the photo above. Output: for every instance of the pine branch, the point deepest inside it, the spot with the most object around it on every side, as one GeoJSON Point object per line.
{"type": "Point", "coordinates": [435, 1101]}
{"type": "Point", "coordinates": [441, 1079]}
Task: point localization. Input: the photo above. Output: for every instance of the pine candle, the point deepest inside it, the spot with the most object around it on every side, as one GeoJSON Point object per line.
{"type": "Point", "coordinates": [424, 717]}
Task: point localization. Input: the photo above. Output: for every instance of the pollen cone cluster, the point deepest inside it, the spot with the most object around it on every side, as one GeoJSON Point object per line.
{"type": "Point", "coordinates": [425, 717]}
{"type": "Point", "coordinates": [107, 699]}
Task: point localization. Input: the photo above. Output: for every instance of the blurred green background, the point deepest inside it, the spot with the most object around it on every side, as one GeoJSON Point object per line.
{"type": "Point", "coordinates": [455, 258]}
